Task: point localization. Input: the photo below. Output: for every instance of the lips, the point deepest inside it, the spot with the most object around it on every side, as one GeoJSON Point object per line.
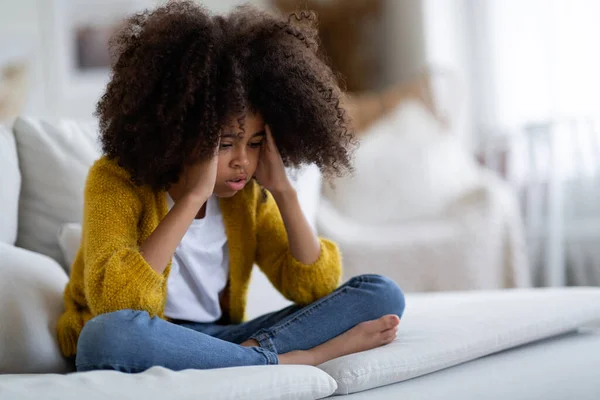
{"type": "Point", "coordinates": [237, 183]}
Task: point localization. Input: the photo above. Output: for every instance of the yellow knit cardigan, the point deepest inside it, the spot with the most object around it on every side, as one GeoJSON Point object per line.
{"type": "Point", "coordinates": [110, 274]}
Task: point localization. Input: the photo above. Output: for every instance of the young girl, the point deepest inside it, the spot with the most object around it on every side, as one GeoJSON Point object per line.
{"type": "Point", "coordinates": [200, 117]}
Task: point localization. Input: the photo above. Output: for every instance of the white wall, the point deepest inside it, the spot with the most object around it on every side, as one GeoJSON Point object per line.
{"type": "Point", "coordinates": [446, 41]}
{"type": "Point", "coordinates": [432, 33]}
{"type": "Point", "coordinates": [19, 33]}
{"type": "Point", "coordinates": [535, 69]}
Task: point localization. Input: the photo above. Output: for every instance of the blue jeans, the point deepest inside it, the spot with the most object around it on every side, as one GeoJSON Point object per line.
{"type": "Point", "coordinates": [131, 341]}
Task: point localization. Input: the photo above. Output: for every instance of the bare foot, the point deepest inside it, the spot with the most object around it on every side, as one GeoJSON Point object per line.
{"type": "Point", "coordinates": [364, 336]}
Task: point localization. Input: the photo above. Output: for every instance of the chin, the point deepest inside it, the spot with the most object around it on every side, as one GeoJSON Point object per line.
{"type": "Point", "coordinates": [224, 194]}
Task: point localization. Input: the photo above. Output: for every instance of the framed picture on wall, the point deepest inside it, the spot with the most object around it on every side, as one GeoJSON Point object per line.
{"type": "Point", "coordinates": [75, 39]}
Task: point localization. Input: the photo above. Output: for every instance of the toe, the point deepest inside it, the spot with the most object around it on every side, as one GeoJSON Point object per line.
{"type": "Point", "coordinates": [388, 336]}
{"type": "Point", "coordinates": [390, 321]}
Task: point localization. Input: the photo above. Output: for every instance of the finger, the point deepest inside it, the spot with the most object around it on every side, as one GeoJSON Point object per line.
{"type": "Point", "coordinates": [264, 147]}
{"type": "Point", "coordinates": [271, 140]}
{"type": "Point", "coordinates": [268, 138]}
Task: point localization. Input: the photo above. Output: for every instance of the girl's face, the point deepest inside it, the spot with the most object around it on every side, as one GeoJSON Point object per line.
{"type": "Point", "coordinates": [239, 154]}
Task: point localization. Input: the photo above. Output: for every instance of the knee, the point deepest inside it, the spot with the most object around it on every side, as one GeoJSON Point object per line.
{"type": "Point", "coordinates": [383, 295]}
{"type": "Point", "coordinates": [106, 337]}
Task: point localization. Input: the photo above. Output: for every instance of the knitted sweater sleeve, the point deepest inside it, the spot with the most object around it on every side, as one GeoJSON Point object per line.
{"type": "Point", "coordinates": [116, 276]}
{"type": "Point", "coordinates": [298, 282]}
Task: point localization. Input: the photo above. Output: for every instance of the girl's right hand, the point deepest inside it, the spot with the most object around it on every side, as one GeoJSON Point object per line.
{"type": "Point", "coordinates": [196, 185]}
{"type": "Point", "coordinates": [200, 178]}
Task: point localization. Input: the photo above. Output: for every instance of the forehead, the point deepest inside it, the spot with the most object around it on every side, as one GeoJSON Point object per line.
{"type": "Point", "coordinates": [253, 123]}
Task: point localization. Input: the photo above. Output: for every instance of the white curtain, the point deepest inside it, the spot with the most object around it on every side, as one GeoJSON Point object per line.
{"type": "Point", "coordinates": [536, 98]}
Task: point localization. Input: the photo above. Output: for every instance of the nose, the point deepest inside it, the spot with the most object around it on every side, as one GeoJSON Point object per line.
{"type": "Point", "coordinates": [240, 159]}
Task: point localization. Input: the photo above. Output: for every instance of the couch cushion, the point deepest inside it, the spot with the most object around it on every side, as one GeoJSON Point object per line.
{"type": "Point", "coordinates": [440, 330]}
{"type": "Point", "coordinates": [31, 301]}
{"type": "Point", "coordinates": [242, 383]}
{"type": "Point", "coordinates": [54, 157]}
{"type": "Point", "coordinates": [10, 185]}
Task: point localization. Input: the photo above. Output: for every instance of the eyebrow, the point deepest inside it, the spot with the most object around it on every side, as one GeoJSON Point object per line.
{"type": "Point", "coordinates": [241, 135]}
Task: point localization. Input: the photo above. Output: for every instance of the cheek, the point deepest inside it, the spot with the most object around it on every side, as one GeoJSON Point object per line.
{"type": "Point", "coordinates": [253, 157]}
{"type": "Point", "coordinates": [222, 167]}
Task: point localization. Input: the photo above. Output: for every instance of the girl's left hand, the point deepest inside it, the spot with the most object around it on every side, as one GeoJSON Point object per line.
{"type": "Point", "coordinates": [270, 171]}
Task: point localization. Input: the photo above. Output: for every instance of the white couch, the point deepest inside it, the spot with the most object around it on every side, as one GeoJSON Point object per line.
{"type": "Point", "coordinates": [41, 180]}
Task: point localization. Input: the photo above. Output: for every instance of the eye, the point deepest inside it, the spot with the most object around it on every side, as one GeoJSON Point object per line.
{"type": "Point", "coordinates": [256, 144]}
{"type": "Point", "coordinates": [225, 145]}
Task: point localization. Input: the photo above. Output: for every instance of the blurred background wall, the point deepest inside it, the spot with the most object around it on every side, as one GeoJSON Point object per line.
{"type": "Point", "coordinates": [406, 36]}
{"type": "Point", "coordinates": [510, 85]}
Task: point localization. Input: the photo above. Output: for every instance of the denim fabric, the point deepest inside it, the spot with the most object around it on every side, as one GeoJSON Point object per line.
{"type": "Point", "coordinates": [131, 341]}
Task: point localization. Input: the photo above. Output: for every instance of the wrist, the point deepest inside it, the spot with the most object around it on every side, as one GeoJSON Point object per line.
{"type": "Point", "coordinates": [284, 193]}
{"type": "Point", "coordinates": [193, 200]}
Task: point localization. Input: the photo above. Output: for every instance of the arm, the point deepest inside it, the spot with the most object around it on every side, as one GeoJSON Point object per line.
{"type": "Point", "coordinates": [116, 275]}
{"type": "Point", "coordinates": [119, 272]}
{"type": "Point", "coordinates": [160, 246]}
{"type": "Point", "coordinates": [302, 267]}
{"type": "Point", "coordinates": [303, 243]}
{"type": "Point", "coordinates": [192, 192]}
{"type": "Point", "coordinates": [301, 282]}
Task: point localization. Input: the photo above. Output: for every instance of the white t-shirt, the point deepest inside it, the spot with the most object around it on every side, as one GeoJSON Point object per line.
{"type": "Point", "coordinates": [200, 268]}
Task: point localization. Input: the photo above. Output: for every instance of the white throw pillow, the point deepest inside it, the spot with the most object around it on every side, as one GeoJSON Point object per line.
{"type": "Point", "coordinates": [406, 167]}
{"type": "Point", "coordinates": [290, 382]}
{"type": "Point", "coordinates": [10, 185]}
{"type": "Point", "coordinates": [55, 156]}
{"type": "Point", "coordinates": [440, 330]}
{"type": "Point", "coordinates": [69, 240]}
{"type": "Point", "coordinates": [31, 300]}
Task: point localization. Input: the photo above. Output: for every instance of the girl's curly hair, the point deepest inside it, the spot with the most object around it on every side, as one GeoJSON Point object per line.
{"type": "Point", "coordinates": [180, 74]}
